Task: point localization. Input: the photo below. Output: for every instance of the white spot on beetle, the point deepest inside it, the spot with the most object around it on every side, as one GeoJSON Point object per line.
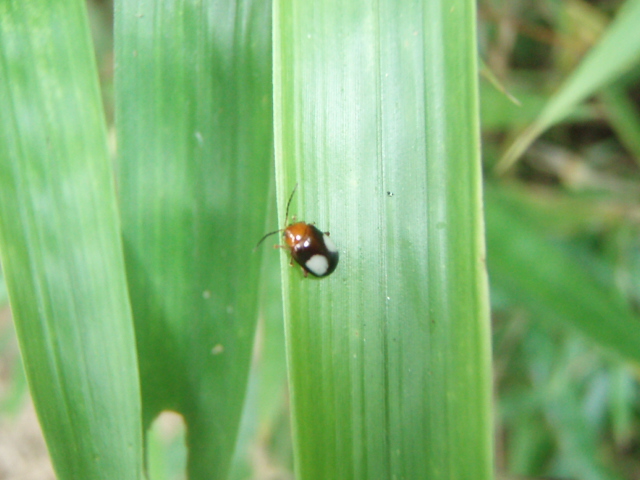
{"type": "Point", "coordinates": [329, 243]}
{"type": "Point", "coordinates": [318, 265]}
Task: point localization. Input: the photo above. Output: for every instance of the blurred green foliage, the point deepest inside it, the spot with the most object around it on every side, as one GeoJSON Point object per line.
{"type": "Point", "coordinates": [563, 241]}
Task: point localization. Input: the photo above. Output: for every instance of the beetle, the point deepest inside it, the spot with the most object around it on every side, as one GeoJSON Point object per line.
{"type": "Point", "coordinates": [311, 248]}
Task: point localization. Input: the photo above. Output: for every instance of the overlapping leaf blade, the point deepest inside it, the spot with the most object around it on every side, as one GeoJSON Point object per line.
{"type": "Point", "coordinates": [193, 116]}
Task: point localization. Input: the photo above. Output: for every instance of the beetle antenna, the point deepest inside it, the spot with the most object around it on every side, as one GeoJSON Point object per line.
{"type": "Point", "coordinates": [265, 237]}
{"type": "Point", "coordinates": [286, 217]}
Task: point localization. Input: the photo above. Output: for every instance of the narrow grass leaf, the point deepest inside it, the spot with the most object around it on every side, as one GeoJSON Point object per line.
{"type": "Point", "coordinates": [265, 404]}
{"type": "Point", "coordinates": [4, 296]}
{"type": "Point", "coordinates": [553, 285]}
{"type": "Point", "coordinates": [616, 53]}
{"type": "Point", "coordinates": [623, 117]}
{"type": "Point", "coordinates": [194, 125]}
{"type": "Point", "coordinates": [376, 120]}
{"type": "Point", "coordinates": [60, 243]}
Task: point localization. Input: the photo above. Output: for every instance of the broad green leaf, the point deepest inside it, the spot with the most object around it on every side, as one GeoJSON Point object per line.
{"type": "Point", "coordinates": [60, 243]}
{"type": "Point", "coordinates": [616, 53]}
{"type": "Point", "coordinates": [376, 120]}
{"type": "Point", "coordinates": [194, 126]}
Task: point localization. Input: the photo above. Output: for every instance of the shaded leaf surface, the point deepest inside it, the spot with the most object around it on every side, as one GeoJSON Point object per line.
{"type": "Point", "coordinates": [193, 114]}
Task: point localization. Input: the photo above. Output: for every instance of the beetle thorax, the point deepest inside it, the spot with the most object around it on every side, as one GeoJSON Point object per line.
{"type": "Point", "coordinates": [296, 233]}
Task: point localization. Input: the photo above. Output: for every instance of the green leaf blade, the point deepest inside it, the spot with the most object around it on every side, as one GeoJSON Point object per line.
{"type": "Point", "coordinates": [194, 122]}
{"type": "Point", "coordinates": [376, 119]}
{"type": "Point", "coordinates": [60, 244]}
